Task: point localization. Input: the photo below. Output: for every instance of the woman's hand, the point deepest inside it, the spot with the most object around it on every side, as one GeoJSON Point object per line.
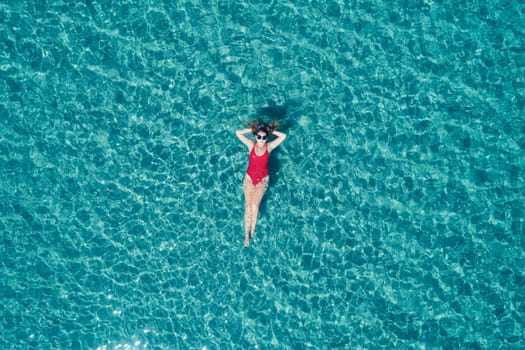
{"type": "Point", "coordinates": [244, 139]}
{"type": "Point", "coordinates": [280, 138]}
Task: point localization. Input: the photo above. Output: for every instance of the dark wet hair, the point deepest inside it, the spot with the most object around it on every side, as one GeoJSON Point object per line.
{"type": "Point", "coordinates": [258, 126]}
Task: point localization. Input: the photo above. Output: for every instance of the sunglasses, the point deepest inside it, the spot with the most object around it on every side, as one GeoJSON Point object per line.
{"type": "Point", "coordinates": [261, 137]}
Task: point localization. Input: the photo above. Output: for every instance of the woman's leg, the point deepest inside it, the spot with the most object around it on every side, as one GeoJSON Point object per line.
{"type": "Point", "coordinates": [253, 196]}
{"type": "Point", "coordinates": [258, 194]}
{"type": "Point", "coordinates": [249, 189]}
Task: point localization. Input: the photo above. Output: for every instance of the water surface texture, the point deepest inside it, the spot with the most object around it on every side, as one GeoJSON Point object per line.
{"type": "Point", "coordinates": [395, 215]}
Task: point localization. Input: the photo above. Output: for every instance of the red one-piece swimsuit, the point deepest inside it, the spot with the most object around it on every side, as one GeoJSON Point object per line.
{"type": "Point", "coordinates": [258, 166]}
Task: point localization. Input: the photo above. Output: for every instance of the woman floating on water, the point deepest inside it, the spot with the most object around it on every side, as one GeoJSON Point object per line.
{"type": "Point", "coordinates": [257, 178]}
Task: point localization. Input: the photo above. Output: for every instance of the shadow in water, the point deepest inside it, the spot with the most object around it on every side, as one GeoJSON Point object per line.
{"type": "Point", "coordinates": [280, 113]}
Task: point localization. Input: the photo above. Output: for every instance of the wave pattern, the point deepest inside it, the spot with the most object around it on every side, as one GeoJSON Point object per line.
{"type": "Point", "coordinates": [395, 213]}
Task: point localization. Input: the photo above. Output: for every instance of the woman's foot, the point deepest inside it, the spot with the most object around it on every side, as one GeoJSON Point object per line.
{"type": "Point", "coordinates": [247, 240]}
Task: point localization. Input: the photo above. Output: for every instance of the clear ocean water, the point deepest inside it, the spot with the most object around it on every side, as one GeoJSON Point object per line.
{"type": "Point", "coordinates": [395, 214]}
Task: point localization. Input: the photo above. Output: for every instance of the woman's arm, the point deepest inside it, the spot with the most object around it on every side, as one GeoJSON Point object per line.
{"type": "Point", "coordinates": [275, 143]}
{"type": "Point", "coordinates": [244, 139]}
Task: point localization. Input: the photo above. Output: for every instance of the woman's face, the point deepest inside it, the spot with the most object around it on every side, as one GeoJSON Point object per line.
{"type": "Point", "coordinates": [261, 137]}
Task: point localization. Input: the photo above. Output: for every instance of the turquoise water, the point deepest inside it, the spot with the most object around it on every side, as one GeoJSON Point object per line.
{"type": "Point", "coordinates": [395, 215]}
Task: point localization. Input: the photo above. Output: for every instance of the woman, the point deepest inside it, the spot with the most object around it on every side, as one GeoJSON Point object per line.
{"type": "Point", "coordinates": [257, 177]}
